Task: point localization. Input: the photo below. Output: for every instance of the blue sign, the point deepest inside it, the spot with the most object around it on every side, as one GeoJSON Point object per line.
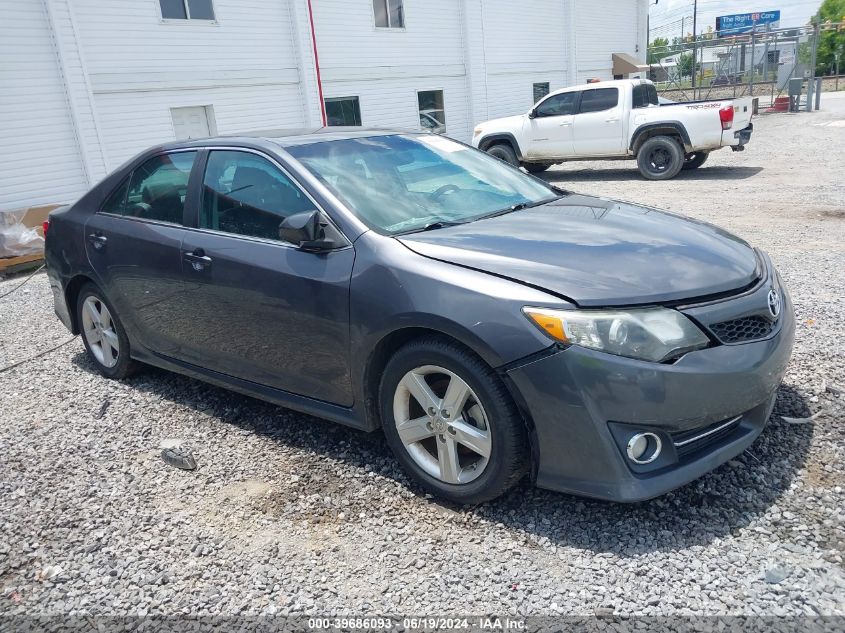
{"type": "Point", "coordinates": [729, 25]}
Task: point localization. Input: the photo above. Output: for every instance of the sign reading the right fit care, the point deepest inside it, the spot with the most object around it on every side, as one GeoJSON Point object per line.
{"type": "Point", "coordinates": [741, 23]}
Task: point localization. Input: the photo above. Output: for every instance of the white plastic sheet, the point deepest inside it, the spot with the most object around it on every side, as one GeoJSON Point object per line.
{"type": "Point", "coordinates": [17, 239]}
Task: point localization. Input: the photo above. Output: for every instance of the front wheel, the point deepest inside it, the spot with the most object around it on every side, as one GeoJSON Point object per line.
{"type": "Point", "coordinates": [536, 168]}
{"type": "Point", "coordinates": [505, 153]}
{"type": "Point", "coordinates": [451, 423]}
{"type": "Point", "coordinates": [660, 158]}
{"type": "Point", "coordinates": [695, 160]}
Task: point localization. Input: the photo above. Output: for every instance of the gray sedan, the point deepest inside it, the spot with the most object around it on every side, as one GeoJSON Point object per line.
{"type": "Point", "coordinates": [490, 324]}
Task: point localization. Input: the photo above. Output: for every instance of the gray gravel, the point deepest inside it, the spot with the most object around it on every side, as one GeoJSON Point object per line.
{"type": "Point", "coordinates": [290, 514]}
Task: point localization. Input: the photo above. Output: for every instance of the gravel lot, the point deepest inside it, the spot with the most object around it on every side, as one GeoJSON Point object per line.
{"type": "Point", "coordinates": [290, 514]}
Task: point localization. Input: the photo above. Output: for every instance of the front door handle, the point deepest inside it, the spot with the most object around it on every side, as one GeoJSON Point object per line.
{"type": "Point", "coordinates": [198, 259]}
{"type": "Point", "coordinates": [98, 240]}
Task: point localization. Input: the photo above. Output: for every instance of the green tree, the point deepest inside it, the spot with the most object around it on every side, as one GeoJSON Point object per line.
{"type": "Point", "coordinates": [658, 48]}
{"type": "Point", "coordinates": [831, 39]}
{"type": "Point", "coordinates": [686, 65]}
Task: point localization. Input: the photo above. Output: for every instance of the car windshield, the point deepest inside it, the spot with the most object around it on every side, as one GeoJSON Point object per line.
{"type": "Point", "coordinates": [403, 183]}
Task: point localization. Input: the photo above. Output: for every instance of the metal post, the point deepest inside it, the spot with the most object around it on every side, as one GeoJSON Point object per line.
{"type": "Point", "coordinates": [751, 76]}
{"type": "Point", "coordinates": [818, 92]}
{"type": "Point", "coordinates": [810, 82]}
{"type": "Point", "coordinates": [766, 54]}
{"type": "Point", "coordinates": [694, 42]}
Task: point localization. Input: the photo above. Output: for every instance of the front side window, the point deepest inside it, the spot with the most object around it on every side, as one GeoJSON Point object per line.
{"type": "Point", "coordinates": [432, 110]}
{"type": "Point", "coordinates": [540, 90]}
{"type": "Point", "coordinates": [599, 99]}
{"type": "Point", "coordinates": [246, 194]}
{"type": "Point", "coordinates": [186, 9]}
{"type": "Point", "coordinates": [398, 183]}
{"type": "Point", "coordinates": [343, 111]}
{"type": "Point", "coordinates": [389, 14]}
{"type": "Point", "coordinates": [558, 105]}
{"type": "Point", "coordinates": [156, 190]}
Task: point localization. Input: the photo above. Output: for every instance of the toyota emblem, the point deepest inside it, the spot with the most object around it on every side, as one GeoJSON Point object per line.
{"type": "Point", "coordinates": [774, 303]}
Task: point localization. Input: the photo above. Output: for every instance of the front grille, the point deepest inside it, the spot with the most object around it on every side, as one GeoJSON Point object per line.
{"type": "Point", "coordinates": [688, 442]}
{"type": "Point", "coordinates": [748, 328]}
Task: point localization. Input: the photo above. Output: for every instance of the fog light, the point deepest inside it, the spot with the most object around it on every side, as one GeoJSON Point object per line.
{"type": "Point", "coordinates": [644, 448]}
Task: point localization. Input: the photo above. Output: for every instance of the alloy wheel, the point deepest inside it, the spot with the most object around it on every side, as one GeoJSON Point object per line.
{"type": "Point", "coordinates": [98, 329]}
{"type": "Point", "coordinates": [442, 424]}
{"type": "Point", "coordinates": [659, 160]}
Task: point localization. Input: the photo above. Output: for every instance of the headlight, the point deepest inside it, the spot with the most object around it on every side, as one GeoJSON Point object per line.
{"type": "Point", "coordinates": [654, 334]}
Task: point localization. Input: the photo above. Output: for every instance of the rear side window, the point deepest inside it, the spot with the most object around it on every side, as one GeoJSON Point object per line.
{"type": "Point", "coordinates": [558, 105]}
{"type": "Point", "coordinates": [246, 194]}
{"type": "Point", "coordinates": [644, 95]}
{"type": "Point", "coordinates": [156, 190]}
{"type": "Point", "coordinates": [599, 99]}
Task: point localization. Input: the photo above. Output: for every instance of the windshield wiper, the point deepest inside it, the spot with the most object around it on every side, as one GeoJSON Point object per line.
{"type": "Point", "coordinates": [519, 206]}
{"type": "Point", "coordinates": [431, 226]}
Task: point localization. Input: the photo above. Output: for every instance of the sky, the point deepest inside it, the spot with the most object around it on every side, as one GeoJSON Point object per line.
{"type": "Point", "coordinates": [666, 15]}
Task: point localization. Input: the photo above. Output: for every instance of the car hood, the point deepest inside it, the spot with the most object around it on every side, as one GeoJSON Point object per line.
{"type": "Point", "coordinates": [598, 252]}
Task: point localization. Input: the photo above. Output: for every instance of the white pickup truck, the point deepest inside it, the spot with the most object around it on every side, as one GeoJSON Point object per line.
{"type": "Point", "coordinates": [614, 120]}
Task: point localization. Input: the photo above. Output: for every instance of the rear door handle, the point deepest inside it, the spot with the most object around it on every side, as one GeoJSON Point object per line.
{"type": "Point", "coordinates": [98, 240]}
{"type": "Point", "coordinates": [198, 259]}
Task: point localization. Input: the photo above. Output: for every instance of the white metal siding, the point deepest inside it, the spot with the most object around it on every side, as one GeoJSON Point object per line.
{"type": "Point", "coordinates": [605, 27]}
{"type": "Point", "coordinates": [40, 161]}
{"type": "Point", "coordinates": [244, 65]}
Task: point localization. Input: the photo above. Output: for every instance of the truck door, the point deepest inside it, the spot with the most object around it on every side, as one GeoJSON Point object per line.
{"type": "Point", "coordinates": [549, 127]}
{"type": "Point", "coordinates": [598, 128]}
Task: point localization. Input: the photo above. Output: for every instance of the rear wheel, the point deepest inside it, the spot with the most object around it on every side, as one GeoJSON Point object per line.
{"type": "Point", "coordinates": [451, 423]}
{"type": "Point", "coordinates": [536, 168]}
{"type": "Point", "coordinates": [660, 158]}
{"type": "Point", "coordinates": [504, 152]}
{"type": "Point", "coordinates": [695, 160]}
{"type": "Point", "coordinates": [103, 335]}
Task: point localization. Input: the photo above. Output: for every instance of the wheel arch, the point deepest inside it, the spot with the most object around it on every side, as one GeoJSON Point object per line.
{"type": "Point", "coordinates": [674, 129]}
{"type": "Point", "coordinates": [72, 290]}
{"type": "Point", "coordinates": [489, 140]}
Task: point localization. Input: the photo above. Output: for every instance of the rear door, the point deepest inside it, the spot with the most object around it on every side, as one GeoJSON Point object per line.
{"type": "Point", "coordinates": [599, 127]}
{"type": "Point", "coordinates": [134, 244]}
{"type": "Point", "coordinates": [261, 309]}
{"type": "Point", "coordinates": [549, 131]}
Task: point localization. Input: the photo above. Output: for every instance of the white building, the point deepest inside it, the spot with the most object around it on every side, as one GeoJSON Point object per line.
{"type": "Point", "coordinates": [85, 84]}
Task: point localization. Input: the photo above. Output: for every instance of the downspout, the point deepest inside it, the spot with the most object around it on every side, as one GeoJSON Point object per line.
{"type": "Point", "coordinates": [317, 65]}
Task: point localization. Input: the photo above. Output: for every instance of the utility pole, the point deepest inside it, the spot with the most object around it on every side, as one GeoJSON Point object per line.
{"type": "Point", "coordinates": [811, 84]}
{"type": "Point", "coordinates": [694, 40]}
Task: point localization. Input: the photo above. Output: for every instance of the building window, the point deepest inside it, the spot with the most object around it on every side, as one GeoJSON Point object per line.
{"type": "Point", "coordinates": [540, 90]}
{"type": "Point", "coordinates": [389, 14]}
{"type": "Point", "coordinates": [186, 9]}
{"type": "Point", "coordinates": [432, 111]}
{"type": "Point", "coordinates": [343, 111]}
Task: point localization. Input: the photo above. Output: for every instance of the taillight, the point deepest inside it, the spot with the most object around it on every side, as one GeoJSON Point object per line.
{"type": "Point", "coordinates": [44, 226]}
{"type": "Point", "coordinates": [726, 116]}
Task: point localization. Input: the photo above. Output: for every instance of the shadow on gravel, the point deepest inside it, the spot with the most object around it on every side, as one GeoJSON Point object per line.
{"type": "Point", "coordinates": [714, 506]}
{"type": "Point", "coordinates": [557, 177]}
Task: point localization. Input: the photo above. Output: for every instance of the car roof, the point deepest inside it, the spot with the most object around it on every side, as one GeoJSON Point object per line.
{"type": "Point", "coordinates": [287, 137]}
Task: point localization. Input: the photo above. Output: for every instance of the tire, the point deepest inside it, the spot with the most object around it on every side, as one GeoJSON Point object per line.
{"type": "Point", "coordinates": [504, 152]}
{"type": "Point", "coordinates": [445, 452]}
{"type": "Point", "coordinates": [660, 158]}
{"type": "Point", "coordinates": [695, 160]}
{"type": "Point", "coordinates": [536, 168]}
{"type": "Point", "coordinates": [100, 342]}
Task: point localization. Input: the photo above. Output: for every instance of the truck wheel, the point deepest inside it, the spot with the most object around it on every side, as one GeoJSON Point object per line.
{"type": "Point", "coordinates": [536, 168]}
{"type": "Point", "coordinates": [505, 153]}
{"type": "Point", "coordinates": [660, 158]}
{"type": "Point", "coordinates": [695, 160]}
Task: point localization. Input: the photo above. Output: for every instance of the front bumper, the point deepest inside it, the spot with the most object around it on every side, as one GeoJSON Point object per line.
{"type": "Point", "coordinates": [583, 404]}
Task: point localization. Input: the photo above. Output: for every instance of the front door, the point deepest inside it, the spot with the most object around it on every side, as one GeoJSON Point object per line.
{"type": "Point", "coordinates": [549, 131]}
{"type": "Point", "coordinates": [599, 128]}
{"type": "Point", "coordinates": [134, 245]}
{"type": "Point", "coordinates": [263, 310]}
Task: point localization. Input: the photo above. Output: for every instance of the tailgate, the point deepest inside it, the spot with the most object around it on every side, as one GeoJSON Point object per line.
{"type": "Point", "coordinates": [743, 109]}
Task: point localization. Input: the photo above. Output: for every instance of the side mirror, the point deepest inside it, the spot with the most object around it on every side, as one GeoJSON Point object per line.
{"type": "Point", "coordinates": [532, 113]}
{"type": "Point", "coordinates": [307, 230]}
